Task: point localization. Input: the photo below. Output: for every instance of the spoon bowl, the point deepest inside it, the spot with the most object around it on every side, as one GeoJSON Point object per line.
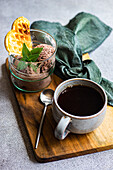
{"type": "Point", "coordinates": [46, 96]}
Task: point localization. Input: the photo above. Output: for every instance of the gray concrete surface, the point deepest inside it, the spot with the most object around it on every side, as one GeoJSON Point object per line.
{"type": "Point", "coordinates": [15, 149]}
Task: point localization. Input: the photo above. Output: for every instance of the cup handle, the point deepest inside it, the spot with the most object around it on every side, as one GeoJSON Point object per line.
{"type": "Point", "coordinates": [61, 130]}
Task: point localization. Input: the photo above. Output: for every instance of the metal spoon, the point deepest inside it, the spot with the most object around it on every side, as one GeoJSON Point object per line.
{"type": "Point", "coordinates": [46, 98]}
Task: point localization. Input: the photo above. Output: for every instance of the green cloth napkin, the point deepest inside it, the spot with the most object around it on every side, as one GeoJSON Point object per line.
{"type": "Point", "coordinates": [84, 33]}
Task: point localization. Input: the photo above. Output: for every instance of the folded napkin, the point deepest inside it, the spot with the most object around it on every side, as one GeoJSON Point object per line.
{"type": "Point", "coordinates": [84, 33]}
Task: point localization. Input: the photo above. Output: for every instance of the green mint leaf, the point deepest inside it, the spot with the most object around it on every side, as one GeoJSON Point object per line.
{"type": "Point", "coordinates": [34, 67]}
{"type": "Point", "coordinates": [33, 57]}
{"type": "Point", "coordinates": [25, 52]}
{"type": "Point", "coordinates": [36, 51]}
{"type": "Point", "coordinates": [21, 65]}
{"type": "Point", "coordinates": [23, 59]}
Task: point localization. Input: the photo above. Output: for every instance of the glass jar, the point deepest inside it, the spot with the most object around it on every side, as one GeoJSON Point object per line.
{"type": "Point", "coordinates": [34, 76]}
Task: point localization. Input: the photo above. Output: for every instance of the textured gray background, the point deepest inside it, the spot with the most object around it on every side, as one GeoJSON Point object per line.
{"type": "Point", "coordinates": [15, 149]}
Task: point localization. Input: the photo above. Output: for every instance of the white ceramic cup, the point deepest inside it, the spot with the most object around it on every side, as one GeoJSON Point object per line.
{"type": "Point", "coordinates": [76, 124]}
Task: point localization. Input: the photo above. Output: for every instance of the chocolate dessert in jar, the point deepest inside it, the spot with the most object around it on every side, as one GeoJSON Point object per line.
{"type": "Point", "coordinates": [34, 76]}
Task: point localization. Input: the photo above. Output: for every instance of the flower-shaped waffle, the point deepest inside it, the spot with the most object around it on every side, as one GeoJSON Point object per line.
{"type": "Point", "coordinates": [19, 34]}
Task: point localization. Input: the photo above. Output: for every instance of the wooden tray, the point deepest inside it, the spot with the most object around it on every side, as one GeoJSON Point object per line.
{"type": "Point", "coordinates": [51, 149]}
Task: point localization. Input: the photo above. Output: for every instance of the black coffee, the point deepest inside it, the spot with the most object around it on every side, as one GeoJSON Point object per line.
{"type": "Point", "coordinates": [80, 100]}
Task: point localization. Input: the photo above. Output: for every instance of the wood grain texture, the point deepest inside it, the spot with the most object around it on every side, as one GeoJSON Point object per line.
{"type": "Point", "coordinates": [50, 148]}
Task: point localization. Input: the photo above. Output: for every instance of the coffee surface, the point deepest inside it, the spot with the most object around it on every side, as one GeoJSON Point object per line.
{"type": "Point", "coordinates": [80, 100]}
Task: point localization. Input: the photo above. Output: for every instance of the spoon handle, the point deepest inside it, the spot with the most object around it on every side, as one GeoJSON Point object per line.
{"type": "Point", "coordinates": [40, 127]}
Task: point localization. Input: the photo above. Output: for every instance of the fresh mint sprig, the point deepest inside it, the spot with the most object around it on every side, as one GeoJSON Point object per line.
{"type": "Point", "coordinates": [29, 56]}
